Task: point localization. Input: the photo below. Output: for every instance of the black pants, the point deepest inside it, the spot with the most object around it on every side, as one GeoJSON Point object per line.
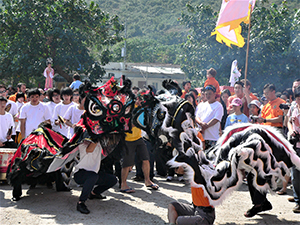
{"type": "Point", "coordinates": [256, 196]}
{"type": "Point", "coordinates": [89, 179]}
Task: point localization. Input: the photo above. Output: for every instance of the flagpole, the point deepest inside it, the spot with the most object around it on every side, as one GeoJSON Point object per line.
{"type": "Point", "coordinates": [248, 42]}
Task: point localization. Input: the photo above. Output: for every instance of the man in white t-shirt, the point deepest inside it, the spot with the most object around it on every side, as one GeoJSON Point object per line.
{"type": "Point", "coordinates": [6, 128]}
{"type": "Point", "coordinates": [33, 113]}
{"type": "Point", "coordinates": [209, 116]}
{"type": "Point", "coordinates": [13, 110]}
{"type": "Point", "coordinates": [73, 115]}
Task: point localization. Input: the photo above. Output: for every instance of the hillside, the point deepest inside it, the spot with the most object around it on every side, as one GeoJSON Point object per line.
{"type": "Point", "coordinates": [157, 19]}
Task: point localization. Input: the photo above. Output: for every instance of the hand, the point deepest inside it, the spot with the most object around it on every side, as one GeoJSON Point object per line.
{"type": "Point", "coordinates": [57, 122]}
{"type": "Point", "coordinates": [73, 125]}
{"type": "Point", "coordinates": [260, 120]}
{"type": "Point", "coordinates": [1, 144]}
{"type": "Point", "coordinates": [8, 137]}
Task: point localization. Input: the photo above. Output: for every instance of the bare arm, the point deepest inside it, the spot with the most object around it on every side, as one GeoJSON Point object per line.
{"type": "Point", "coordinates": [23, 127]}
{"type": "Point", "coordinates": [272, 120]}
{"type": "Point", "coordinates": [212, 122]}
{"type": "Point", "coordinates": [91, 147]}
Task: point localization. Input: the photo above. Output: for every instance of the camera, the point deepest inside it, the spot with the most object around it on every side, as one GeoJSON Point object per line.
{"type": "Point", "coordinates": [284, 106]}
{"type": "Point", "coordinates": [254, 118]}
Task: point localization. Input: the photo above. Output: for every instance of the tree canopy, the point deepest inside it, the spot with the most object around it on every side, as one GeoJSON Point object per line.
{"type": "Point", "coordinates": [65, 30]}
{"type": "Point", "coordinates": [274, 46]}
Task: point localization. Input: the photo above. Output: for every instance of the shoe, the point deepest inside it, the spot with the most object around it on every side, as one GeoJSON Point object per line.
{"type": "Point", "coordinates": [138, 178]}
{"type": "Point", "coordinates": [92, 196]}
{"type": "Point", "coordinates": [16, 198]}
{"type": "Point", "coordinates": [180, 179]}
{"type": "Point", "coordinates": [296, 209]}
{"type": "Point", "coordinates": [256, 209]}
{"type": "Point", "coordinates": [153, 186]}
{"type": "Point", "coordinates": [128, 190]}
{"type": "Point", "coordinates": [281, 192]}
{"type": "Point", "coordinates": [266, 206]}
{"type": "Point", "coordinates": [291, 199]}
{"type": "Point", "coordinates": [170, 178]}
{"type": "Point", "coordinates": [81, 207]}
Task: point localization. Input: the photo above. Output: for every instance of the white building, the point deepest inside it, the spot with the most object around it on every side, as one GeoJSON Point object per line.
{"type": "Point", "coordinates": [142, 74]}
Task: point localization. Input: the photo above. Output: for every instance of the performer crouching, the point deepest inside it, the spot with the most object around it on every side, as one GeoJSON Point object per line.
{"type": "Point", "coordinates": [201, 212]}
{"type": "Point", "coordinates": [88, 175]}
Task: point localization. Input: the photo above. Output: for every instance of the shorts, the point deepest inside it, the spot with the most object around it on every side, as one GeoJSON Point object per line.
{"type": "Point", "coordinates": [188, 214]}
{"type": "Point", "coordinates": [137, 147]}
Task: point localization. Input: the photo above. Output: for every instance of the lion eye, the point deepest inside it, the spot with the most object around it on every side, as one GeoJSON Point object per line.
{"type": "Point", "coordinates": [116, 107]}
{"type": "Point", "coordinates": [95, 109]}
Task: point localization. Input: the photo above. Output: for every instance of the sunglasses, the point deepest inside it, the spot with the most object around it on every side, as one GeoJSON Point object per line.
{"type": "Point", "coordinates": [210, 88]}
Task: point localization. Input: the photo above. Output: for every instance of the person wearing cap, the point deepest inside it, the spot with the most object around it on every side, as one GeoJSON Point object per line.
{"type": "Point", "coordinates": [237, 116]}
{"type": "Point", "coordinates": [6, 128]}
{"type": "Point", "coordinates": [254, 110]}
{"type": "Point", "coordinates": [209, 115]}
{"type": "Point", "coordinates": [242, 93]}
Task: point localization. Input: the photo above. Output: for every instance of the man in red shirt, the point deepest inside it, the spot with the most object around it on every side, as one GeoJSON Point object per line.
{"type": "Point", "coordinates": [244, 94]}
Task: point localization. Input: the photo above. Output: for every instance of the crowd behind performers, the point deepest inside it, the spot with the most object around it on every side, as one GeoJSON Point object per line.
{"type": "Point", "coordinates": [22, 110]}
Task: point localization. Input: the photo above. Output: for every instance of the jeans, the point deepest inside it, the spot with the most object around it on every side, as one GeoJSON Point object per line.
{"type": "Point", "coordinates": [88, 179]}
{"type": "Point", "coordinates": [295, 175]}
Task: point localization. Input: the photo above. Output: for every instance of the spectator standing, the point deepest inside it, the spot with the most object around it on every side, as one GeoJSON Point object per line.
{"type": "Point", "coordinates": [211, 80]}
{"type": "Point", "coordinates": [21, 87]}
{"type": "Point", "coordinates": [271, 114]}
{"type": "Point", "coordinates": [254, 110]}
{"type": "Point", "coordinates": [244, 94]}
{"type": "Point", "coordinates": [293, 126]}
{"type": "Point", "coordinates": [237, 116]}
{"type": "Point", "coordinates": [135, 90]}
{"type": "Point", "coordinates": [209, 115]}
{"type": "Point", "coordinates": [33, 113]}
{"type": "Point", "coordinates": [73, 115]}
{"type": "Point", "coordinates": [6, 128]}
{"type": "Point", "coordinates": [11, 106]}
{"type": "Point", "coordinates": [75, 96]}
{"type": "Point", "coordinates": [61, 109]}
{"type": "Point", "coordinates": [186, 88]}
{"type": "Point", "coordinates": [76, 82]}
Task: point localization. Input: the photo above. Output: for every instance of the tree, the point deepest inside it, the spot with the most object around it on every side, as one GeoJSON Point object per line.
{"type": "Point", "coordinates": [65, 30]}
{"type": "Point", "coordinates": [274, 46]}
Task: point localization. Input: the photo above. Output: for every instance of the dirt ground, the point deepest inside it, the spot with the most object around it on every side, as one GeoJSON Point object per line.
{"type": "Point", "coordinates": [145, 206]}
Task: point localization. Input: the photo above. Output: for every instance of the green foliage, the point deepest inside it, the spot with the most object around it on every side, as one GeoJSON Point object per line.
{"type": "Point", "coordinates": [32, 31]}
{"type": "Point", "coordinates": [274, 46]}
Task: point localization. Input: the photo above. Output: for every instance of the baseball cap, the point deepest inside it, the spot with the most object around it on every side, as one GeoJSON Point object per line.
{"type": "Point", "coordinates": [255, 102]}
{"type": "Point", "coordinates": [236, 102]}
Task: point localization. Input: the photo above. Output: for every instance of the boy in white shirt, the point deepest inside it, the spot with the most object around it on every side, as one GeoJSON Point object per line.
{"type": "Point", "coordinates": [33, 113]}
{"type": "Point", "coordinates": [73, 115]}
{"type": "Point", "coordinates": [6, 128]}
{"type": "Point", "coordinates": [61, 109]}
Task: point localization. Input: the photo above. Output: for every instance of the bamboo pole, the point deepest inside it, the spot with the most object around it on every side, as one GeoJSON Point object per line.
{"type": "Point", "coordinates": [248, 42]}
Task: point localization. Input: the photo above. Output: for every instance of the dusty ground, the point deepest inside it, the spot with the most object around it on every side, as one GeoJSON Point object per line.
{"type": "Point", "coordinates": [46, 206]}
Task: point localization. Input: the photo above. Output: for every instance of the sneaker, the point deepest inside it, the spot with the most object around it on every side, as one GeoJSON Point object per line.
{"type": "Point", "coordinates": [170, 178]}
{"type": "Point", "coordinates": [81, 207]}
{"type": "Point", "coordinates": [180, 179]}
{"type": "Point", "coordinates": [296, 209]}
{"type": "Point", "coordinates": [291, 199]}
{"type": "Point", "coordinates": [92, 196]}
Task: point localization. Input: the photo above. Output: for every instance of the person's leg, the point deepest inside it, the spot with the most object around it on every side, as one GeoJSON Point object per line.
{"type": "Point", "coordinates": [87, 179]}
{"type": "Point", "coordinates": [177, 209]}
{"type": "Point", "coordinates": [152, 159]}
{"type": "Point", "coordinates": [172, 214]}
{"type": "Point", "coordinates": [128, 161]}
{"type": "Point", "coordinates": [139, 170]}
{"type": "Point", "coordinates": [104, 182]}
